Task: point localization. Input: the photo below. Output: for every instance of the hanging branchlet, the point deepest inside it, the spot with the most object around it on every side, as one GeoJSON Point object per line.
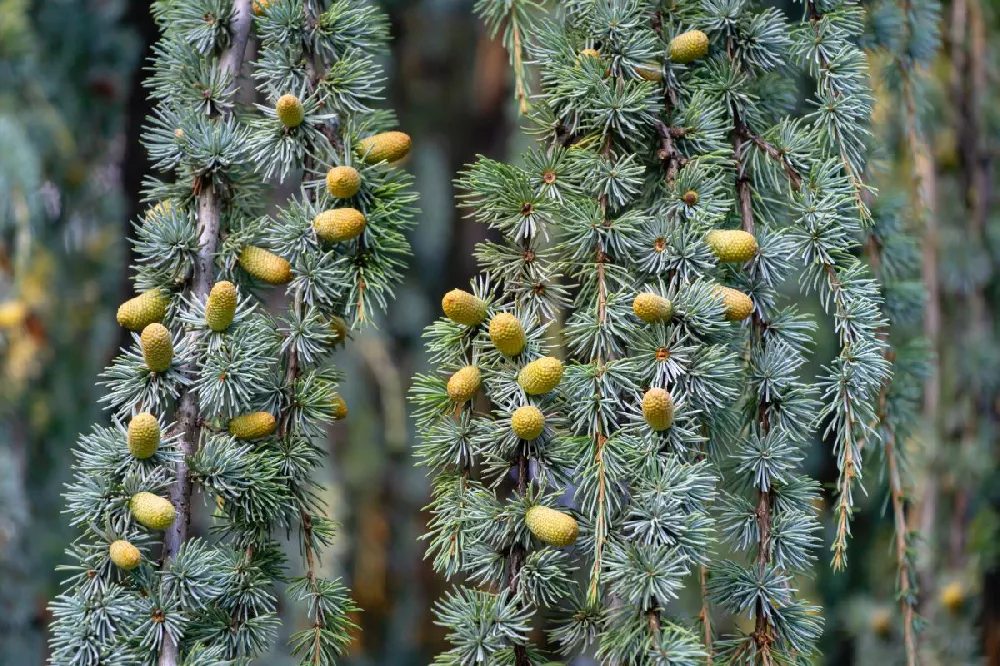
{"type": "Point", "coordinates": [653, 364]}
{"type": "Point", "coordinates": [896, 260]}
{"type": "Point", "coordinates": [494, 420]}
{"type": "Point", "coordinates": [652, 372]}
{"type": "Point", "coordinates": [902, 44]}
{"type": "Point", "coordinates": [664, 130]}
{"type": "Point", "coordinates": [514, 20]}
{"type": "Point", "coordinates": [826, 46]}
{"type": "Point", "coordinates": [240, 397]}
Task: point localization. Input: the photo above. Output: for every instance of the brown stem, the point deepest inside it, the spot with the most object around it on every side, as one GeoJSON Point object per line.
{"type": "Point", "coordinates": [668, 153]}
{"type": "Point", "coordinates": [292, 373]}
{"type": "Point", "coordinates": [902, 530]}
{"type": "Point", "coordinates": [706, 615]}
{"type": "Point", "coordinates": [922, 196]}
{"type": "Point", "coordinates": [517, 553]}
{"type": "Point", "coordinates": [902, 560]}
{"type": "Point", "coordinates": [653, 619]}
{"type": "Point", "coordinates": [320, 620]}
{"type": "Point", "coordinates": [600, 528]}
{"type": "Point", "coordinates": [763, 635]}
{"type": "Point", "coordinates": [907, 595]}
{"type": "Point", "coordinates": [291, 376]}
{"type": "Point", "coordinates": [522, 91]}
{"type": "Point", "coordinates": [201, 283]}
{"type": "Point", "coordinates": [744, 192]}
{"type": "Point", "coordinates": [781, 158]}
{"type": "Point", "coordinates": [188, 416]}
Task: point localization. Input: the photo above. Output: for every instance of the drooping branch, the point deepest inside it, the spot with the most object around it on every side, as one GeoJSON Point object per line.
{"type": "Point", "coordinates": [922, 203]}
{"type": "Point", "coordinates": [188, 419]}
{"type": "Point", "coordinates": [763, 631]}
{"type": "Point", "coordinates": [907, 595]}
{"type": "Point", "coordinates": [905, 573]}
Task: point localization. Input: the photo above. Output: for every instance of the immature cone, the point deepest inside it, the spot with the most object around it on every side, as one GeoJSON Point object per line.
{"type": "Point", "coordinates": [588, 53]}
{"type": "Point", "coordinates": [343, 182]}
{"type": "Point", "coordinates": [252, 426]}
{"type": "Point", "coordinates": [221, 306]}
{"type": "Point", "coordinates": [265, 265]}
{"type": "Point", "coordinates": [732, 246]}
{"type": "Point", "coordinates": [339, 328]}
{"type": "Point", "coordinates": [143, 435]}
{"type": "Point", "coordinates": [463, 308]}
{"type": "Point", "coordinates": [124, 555]}
{"type": "Point", "coordinates": [953, 596]}
{"type": "Point", "coordinates": [153, 511]}
{"type": "Point", "coordinates": [384, 147]}
{"type": "Point", "coordinates": [652, 308]}
{"type": "Point", "coordinates": [689, 46]}
{"type": "Point", "coordinates": [541, 375]}
{"type": "Point", "coordinates": [690, 198]}
{"type": "Point", "coordinates": [464, 383]}
{"type": "Point", "coordinates": [163, 207]}
{"type": "Point", "coordinates": [339, 407]}
{"type": "Point", "coordinates": [12, 314]}
{"type": "Point", "coordinates": [881, 622]}
{"type": "Point", "coordinates": [553, 527]}
{"type": "Point", "coordinates": [260, 6]}
{"type": "Point", "coordinates": [507, 334]}
{"type": "Point", "coordinates": [290, 110]}
{"type": "Point", "coordinates": [658, 409]}
{"type": "Point", "coordinates": [140, 311]}
{"type": "Point", "coordinates": [157, 347]}
{"type": "Point", "coordinates": [649, 72]}
{"type": "Point", "coordinates": [738, 305]}
{"type": "Point", "coordinates": [527, 422]}
{"type": "Point", "coordinates": [339, 225]}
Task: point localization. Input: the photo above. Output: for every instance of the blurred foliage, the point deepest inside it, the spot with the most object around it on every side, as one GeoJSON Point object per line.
{"type": "Point", "coordinates": [64, 69]}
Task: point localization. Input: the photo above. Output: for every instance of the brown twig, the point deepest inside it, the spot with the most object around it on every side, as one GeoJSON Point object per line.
{"type": "Point", "coordinates": [600, 437]}
{"type": "Point", "coordinates": [516, 559]}
{"type": "Point", "coordinates": [291, 376]}
{"type": "Point", "coordinates": [922, 200]}
{"type": "Point", "coordinates": [763, 634]}
{"type": "Point", "coordinates": [907, 594]}
{"type": "Point", "coordinates": [668, 153]}
{"type": "Point", "coordinates": [744, 192]}
{"type": "Point", "coordinates": [706, 615]}
{"type": "Point", "coordinates": [780, 156]}
{"type": "Point", "coordinates": [521, 86]}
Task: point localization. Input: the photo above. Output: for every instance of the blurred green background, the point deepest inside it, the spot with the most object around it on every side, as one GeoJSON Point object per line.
{"type": "Point", "coordinates": [71, 107]}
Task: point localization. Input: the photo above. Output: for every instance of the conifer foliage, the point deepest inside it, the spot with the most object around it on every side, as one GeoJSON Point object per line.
{"type": "Point", "coordinates": [220, 406]}
{"type": "Point", "coordinates": [647, 243]}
